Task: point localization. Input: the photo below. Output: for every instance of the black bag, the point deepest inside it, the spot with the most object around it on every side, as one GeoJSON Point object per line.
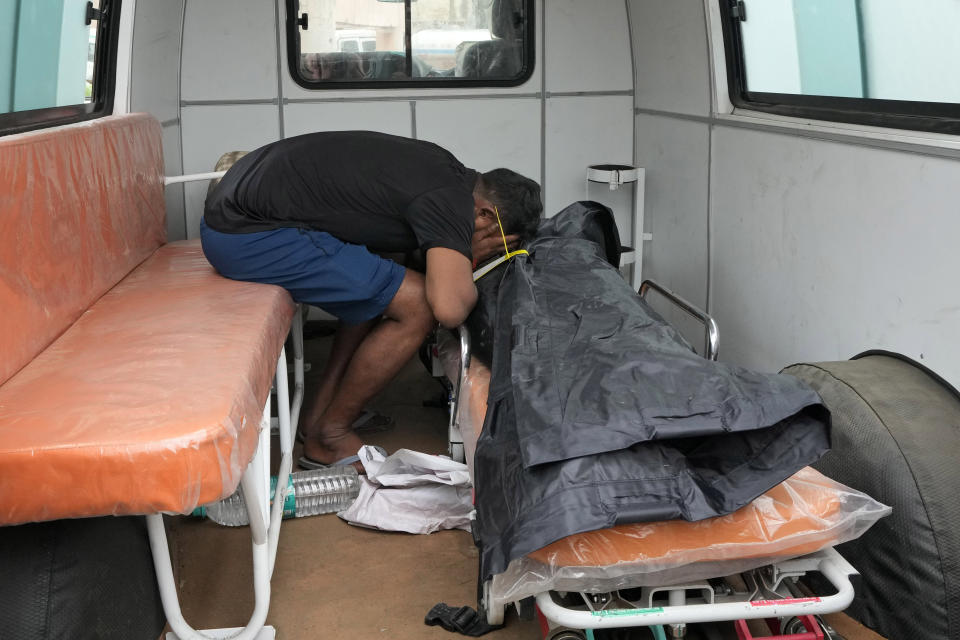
{"type": "Point", "coordinates": [599, 413]}
{"type": "Point", "coordinates": [89, 578]}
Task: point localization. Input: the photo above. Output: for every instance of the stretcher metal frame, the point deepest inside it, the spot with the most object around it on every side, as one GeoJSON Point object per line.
{"type": "Point", "coordinates": [566, 622]}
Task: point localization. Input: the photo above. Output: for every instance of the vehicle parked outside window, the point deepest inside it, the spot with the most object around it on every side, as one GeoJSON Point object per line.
{"type": "Point", "coordinates": [376, 43]}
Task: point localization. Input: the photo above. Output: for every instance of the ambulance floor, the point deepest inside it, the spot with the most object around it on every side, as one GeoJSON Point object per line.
{"type": "Point", "coordinates": [333, 580]}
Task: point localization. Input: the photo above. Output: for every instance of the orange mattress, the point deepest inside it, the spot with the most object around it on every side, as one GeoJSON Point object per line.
{"type": "Point", "coordinates": [792, 519]}
{"type": "Point", "coordinates": [151, 402]}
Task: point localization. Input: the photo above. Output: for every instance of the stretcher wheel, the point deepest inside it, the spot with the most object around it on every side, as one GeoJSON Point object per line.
{"type": "Point", "coordinates": [795, 626]}
{"type": "Point", "coordinates": [493, 614]}
{"type": "Point", "coordinates": [568, 634]}
{"type": "Point", "coordinates": [457, 453]}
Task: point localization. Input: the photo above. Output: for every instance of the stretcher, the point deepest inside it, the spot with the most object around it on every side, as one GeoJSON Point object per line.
{"type": "Point", "coordinates": [667, 575]}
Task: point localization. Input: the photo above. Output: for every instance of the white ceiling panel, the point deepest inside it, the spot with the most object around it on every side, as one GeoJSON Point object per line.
{"type": "Point", "coordinates": [485, 134]}
{"type": "Point", "coordinates": [587, 46]}
{"type": "Point", "coordinates": [211, 131]}
{"type": "Point", "coordinates": [582, 131]}
{"type": "Point", "coordinates": [156, 59]}
{"type": "Point", "coordinates": [822, 250]}
{"type": "Point", "coordinates": [670, 49]}
{"type": "Point", "coordinates": [387, 117]}
{"type": "Point", "coordinates": [675, 155]}
{"type": "Point", "coordinates": [229, 50]}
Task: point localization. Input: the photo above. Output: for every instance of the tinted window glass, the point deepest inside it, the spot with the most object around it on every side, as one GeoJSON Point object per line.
{"type": "Point", "coordinates": [372, 42]}
{"type": "Point", "coordinates": [55, 61]}
{"type": "Point", "coordinates": [853, 48]}
{"type": "Point", "coordinates": [872, 61]}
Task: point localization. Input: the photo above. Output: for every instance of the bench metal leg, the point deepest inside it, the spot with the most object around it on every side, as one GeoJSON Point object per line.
{"type": "Point", "coordinates": [264, 521]}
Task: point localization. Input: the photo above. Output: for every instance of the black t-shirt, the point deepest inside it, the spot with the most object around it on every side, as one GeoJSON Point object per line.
{"type": "Point", "coordinates": [385, 192]}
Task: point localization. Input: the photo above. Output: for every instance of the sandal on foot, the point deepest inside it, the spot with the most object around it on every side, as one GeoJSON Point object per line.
{"type": "Point", "coordinates": [308, 463]}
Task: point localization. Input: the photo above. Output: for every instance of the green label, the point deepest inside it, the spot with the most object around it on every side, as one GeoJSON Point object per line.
{"type": "Point", "coordinates": [625, 612]}
{"type": "Point", "coordinates": [290, 501]}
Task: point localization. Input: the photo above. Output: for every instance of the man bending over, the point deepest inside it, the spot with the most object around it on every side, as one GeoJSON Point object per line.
{"type": "Point", "coordinates": [306, 212]}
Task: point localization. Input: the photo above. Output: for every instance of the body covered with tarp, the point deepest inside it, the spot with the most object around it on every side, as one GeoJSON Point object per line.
{"type": "Point", "coordinates": [599, 413]}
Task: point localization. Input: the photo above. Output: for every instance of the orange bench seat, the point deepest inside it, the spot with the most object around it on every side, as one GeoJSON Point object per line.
{"type": "Point", "coordinates": [150, 402]}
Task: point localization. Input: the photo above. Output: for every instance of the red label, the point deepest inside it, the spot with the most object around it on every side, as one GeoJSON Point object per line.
{"type": "Point", "coordinates": [773, 603]}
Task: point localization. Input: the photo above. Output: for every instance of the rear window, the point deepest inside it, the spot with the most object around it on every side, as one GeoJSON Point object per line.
{"type": "Point", "coordinates": [865, 61]}
{"type": "Point", "coordinates": [58, 67]}
{"type": "Point", "coordinates": [389, 43]}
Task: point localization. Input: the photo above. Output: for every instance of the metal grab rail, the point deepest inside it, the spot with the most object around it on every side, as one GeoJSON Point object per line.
{"type": "Point", "coordinates": [192, 177]}
{"type": "Point", "coordinates": [712, 333]}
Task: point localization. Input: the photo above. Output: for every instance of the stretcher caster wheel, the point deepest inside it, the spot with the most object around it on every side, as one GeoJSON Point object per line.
{"type": "Point", "coordinates": [457, 453]}
{"type": "Point", "coordinates": [568, 634]}
{"type": "Point", "coordinates": [795, 625]}
{"type": "Point", "coordinates": [494, 614]}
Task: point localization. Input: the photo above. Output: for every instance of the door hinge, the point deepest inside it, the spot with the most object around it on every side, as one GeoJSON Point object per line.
{"type": "Point", "coordinates": [738, 11]}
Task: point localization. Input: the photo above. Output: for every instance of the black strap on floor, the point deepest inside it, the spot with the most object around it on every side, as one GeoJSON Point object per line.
{"type": "Point", "coordinates": [463, 620]}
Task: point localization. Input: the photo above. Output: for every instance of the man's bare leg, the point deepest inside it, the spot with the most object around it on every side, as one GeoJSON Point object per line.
{"type": "Point", "coordinates": [378, 358]}
{"type": "Point", "coordinates": [345, 343]}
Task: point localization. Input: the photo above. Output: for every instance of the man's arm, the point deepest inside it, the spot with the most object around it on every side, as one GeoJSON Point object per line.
{"type": "Point", "coordinates": [451, 293]}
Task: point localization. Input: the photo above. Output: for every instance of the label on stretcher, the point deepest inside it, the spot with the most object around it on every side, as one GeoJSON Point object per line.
{"type": "Point", "coordinates": [625, 612]}
{"type": "Point", "coordinates": [773, 603]}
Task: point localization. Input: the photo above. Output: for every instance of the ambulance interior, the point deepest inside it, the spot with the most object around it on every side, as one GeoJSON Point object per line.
{"type": "Point", "coordinates": [784, 178]}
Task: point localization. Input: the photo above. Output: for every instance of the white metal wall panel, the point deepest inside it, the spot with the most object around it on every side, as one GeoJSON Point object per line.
{"type": "Point", "coordinates": [229, 50]}
{"type": "Point", "coordinates": [675, 154]}
{"type": "Point", "coordinates": [485, 133]}
{"type": "Point", "coordinates": [176, 225]}
{"type": "Point", "coordinates": [671, 56]}
{"type": "Point", "coordinates": [387, 117]}
{"type": "Point", "coordinates": [581, 131]}
{"type": "Point", "coordinates": [587, 46]}
{"type": "Point", "coordinates": [208, 133]}
{"type": "Point", "coordinates": [156, 59]}
{"type": "Point", "coordinates": [822, 250]}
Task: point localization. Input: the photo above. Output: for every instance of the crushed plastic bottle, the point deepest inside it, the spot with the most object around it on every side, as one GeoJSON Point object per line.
{"type": "Point", "coordinates": [310, 493]}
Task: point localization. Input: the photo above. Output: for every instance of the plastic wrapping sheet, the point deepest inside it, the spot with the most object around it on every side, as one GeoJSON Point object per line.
{"type": "Point", "coordinates": [151, 402]}
{"type": "Point", "coordinates": [81, 207]}
{"type": "Point", "coordinates": [472, 407]}
{"type": "Point", "coordinates": [803, 514]}
{"type": "Point", "coordinates": [599, 413]}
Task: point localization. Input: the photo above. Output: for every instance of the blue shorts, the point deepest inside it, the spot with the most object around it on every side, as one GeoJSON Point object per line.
{"type": "Point", "coordinates": [316, 268]}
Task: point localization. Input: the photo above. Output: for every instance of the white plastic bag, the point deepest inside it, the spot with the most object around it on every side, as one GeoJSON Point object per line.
{"type": "Point", "coordinates": [412, 492]}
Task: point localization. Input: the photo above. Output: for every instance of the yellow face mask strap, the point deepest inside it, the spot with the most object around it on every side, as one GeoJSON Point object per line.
{"type": "Point", "coordinates": [506, 249]}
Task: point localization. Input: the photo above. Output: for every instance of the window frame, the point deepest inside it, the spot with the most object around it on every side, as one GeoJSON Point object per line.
{"type": "Point", "coordinates": [104, 84]}
{"type": "Point", "coordinates": [935, 117]}
{"type": "Point", "coordinates": [293, 62]}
